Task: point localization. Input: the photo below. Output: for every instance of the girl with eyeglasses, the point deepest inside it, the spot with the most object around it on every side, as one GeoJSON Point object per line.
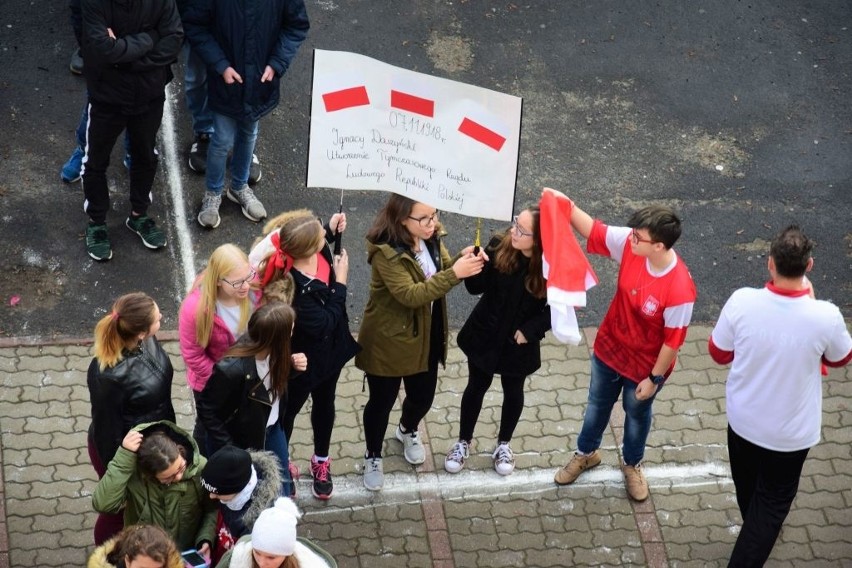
{"type": "Point", "coordinates": [156, 477]}
{"type": "Point", "coordinates": [502, 335]}
{"type": "Point", "coordinates": [295, 264]}
{"type": "Point", "coordinates": [404, 329]}
{"type": "Point", "coordinates": [213, 316]}
{"type": "Point", "coordinates": [244, 401]}
{"type": "Point", "coordinates": [130, 382]}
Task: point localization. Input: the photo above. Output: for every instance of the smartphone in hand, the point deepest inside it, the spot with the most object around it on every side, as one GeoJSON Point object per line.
{"type": "Point", "coordinates": [192, 559]}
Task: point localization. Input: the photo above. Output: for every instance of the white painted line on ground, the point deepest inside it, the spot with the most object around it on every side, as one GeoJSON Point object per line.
{"type": "Point", "coordinates": [403, 488]}
{"type": "Point", "coordinates": [170, 161]}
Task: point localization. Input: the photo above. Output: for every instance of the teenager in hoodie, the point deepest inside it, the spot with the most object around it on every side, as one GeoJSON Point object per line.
{"type": "Point", "coordinates": [156, 476]}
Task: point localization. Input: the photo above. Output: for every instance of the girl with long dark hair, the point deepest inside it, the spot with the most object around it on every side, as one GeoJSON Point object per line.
{"type": "Point", "coordinates": [243, 403]}
{"type": "Point", "coordinates": [502, 335]}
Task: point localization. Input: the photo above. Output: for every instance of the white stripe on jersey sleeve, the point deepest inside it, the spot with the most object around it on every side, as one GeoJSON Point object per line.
{"type": "Point", "coordinates": [616, 237]}
{"type": "Point", "coordinates": [678, 316]}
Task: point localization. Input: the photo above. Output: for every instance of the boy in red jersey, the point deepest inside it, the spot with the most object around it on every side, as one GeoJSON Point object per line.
{"type": "Point", "coordinates": [637, 343]}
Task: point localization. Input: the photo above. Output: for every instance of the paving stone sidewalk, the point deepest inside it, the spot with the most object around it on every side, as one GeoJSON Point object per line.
{"type": "Point", "coordinates": [426, 517]}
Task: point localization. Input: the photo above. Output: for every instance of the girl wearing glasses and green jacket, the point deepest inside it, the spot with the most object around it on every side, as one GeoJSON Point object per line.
{"type": "Point", "coordinates": [404, 329]}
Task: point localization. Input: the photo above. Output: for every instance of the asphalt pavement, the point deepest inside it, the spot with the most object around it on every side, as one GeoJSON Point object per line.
{"type": "Point", "coordinates": [735, 113]}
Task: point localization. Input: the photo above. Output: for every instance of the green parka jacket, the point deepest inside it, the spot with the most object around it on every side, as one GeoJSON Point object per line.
{"type": "Point", "coordinates": [397, 320]}
{"type": "Point", "coordinates": [183, 509]}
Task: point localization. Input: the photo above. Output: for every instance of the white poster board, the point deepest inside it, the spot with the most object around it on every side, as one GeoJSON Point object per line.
{"type": "Point", "coordinates": [379, 127]}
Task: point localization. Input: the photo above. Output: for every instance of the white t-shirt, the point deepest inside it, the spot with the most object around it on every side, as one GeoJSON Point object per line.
{"type": "Point", "coordinates": [774, 388]}
{"type": "Point", "coordinates": [263, 372]}
{"type": "Point", "coordinates": [424, 259]}
{"type": "Point", "coordinates": [231, 316]}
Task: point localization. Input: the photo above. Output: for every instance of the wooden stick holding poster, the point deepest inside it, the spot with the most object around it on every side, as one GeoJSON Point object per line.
{"type": "Point", "coordinates": [379, 127]}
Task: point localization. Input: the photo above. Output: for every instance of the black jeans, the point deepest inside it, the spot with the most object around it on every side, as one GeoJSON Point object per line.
{"type": "Point", "coordinates": [322, 411]}
{"type": "Point", "coordinates": [105, 125]}
{"type": "Point", "coordinates": [766, 482]}
{"type": "Point", "coordinates": [478, 383]}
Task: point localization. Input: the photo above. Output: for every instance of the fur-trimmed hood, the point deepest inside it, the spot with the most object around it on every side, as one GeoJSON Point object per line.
{"type": "Point", "coordinates": [268, 485]}
{"type": "Point", "coordinates": [98, 559]}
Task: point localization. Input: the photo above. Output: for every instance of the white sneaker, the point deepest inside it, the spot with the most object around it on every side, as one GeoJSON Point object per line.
{"type": "Point", "coordinates": [374, 475]}
{"type": "Point", "coordinates": [454, 462]}
{"type": "Point", "coordinates": [413, 449]}
{"type": "Point", "coordinates": [504, 459]}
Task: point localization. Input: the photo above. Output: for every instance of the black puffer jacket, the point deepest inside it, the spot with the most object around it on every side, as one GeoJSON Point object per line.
{"type": "Point", "coordinates": [235, 405]}
{"type": "Point", "coordinates": [131, 71]}
{"type": "Point", "coordinates": [138, 389]}
{"type": "Point", "coordinates": [488, 335]}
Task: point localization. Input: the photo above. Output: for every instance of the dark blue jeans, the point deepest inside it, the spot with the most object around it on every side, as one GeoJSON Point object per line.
{"type": "Point", "coordinates": [276, 442]}
{"type": "Point", "coordinates": [605, 386]}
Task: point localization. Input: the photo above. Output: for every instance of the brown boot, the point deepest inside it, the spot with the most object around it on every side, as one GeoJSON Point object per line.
{"type": "Point", "coordinates": [634, 481]}
{"type": "Point", "coordinates": [578, 464]}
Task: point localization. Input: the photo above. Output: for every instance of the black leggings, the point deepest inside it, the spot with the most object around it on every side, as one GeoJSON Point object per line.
{"type": "Point", "coordinates": [478, 383]}
{"type": "Point", "coordinates": [419, 394]}
{"type": "Point", "coordinates": [322, 411]}
{"type": "Point", "coordinates": [419, 391]}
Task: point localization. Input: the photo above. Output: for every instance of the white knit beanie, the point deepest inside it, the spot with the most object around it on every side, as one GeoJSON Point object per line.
{"type": "Point", "coordinates": [274, 530]}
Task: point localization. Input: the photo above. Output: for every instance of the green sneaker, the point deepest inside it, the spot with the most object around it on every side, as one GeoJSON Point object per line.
{"type": "Point", "coordinates": [151, 235]}
{"type": "Point", "coordinates": [97, 241]}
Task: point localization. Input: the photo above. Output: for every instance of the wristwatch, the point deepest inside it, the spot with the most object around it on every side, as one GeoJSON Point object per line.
{"type": "Point", "coordinates": [657, 379]}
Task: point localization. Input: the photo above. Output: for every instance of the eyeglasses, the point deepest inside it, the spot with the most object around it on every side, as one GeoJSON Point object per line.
{"type": "Point", "coordinates": [518, 228]}
{"type": "Point", "coordinates": [426, 221]}
{"type": "Point", "coordinates": [237, 284]}
{"type": "Point", "coordinates": [634, 236]}
{"type": "Point", "coordinates": [174, 477]}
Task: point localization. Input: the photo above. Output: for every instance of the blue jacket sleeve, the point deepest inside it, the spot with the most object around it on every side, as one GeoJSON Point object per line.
{"type": "Point", "coordinates": [197, 22]}
{"type": "Point", "coordinates": [294, 31]}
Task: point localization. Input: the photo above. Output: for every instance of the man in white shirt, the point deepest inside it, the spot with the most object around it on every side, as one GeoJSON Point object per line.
{"type": "Point", "coordinates": [776, 339]}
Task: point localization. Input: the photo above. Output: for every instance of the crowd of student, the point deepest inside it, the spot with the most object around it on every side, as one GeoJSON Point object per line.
{"type": "Point", "coordinates": [262, 332]}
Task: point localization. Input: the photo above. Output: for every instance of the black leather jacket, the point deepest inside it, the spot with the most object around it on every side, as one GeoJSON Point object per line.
{"type": "Point", "coordinates": [234, 406]}
{"type": "Point", "coordinates": [138, 389]}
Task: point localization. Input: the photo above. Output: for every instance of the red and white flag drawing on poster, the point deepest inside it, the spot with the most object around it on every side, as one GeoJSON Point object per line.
{"type": "Point", "coordinates": [379, 127]}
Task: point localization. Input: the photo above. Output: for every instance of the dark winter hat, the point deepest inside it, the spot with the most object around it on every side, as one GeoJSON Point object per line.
{"type": "Point", "coordinates": [227, 472]}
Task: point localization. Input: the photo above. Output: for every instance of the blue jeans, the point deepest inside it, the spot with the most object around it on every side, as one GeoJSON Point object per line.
{"type": "Point", "coordinates": [195, 90]}
{"type": "Point", "coordinates": [228, 133]}
{"type": "Point", "coordinates": [605, 386]}
{"type": "Point", "coordinates": [276, 442]}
